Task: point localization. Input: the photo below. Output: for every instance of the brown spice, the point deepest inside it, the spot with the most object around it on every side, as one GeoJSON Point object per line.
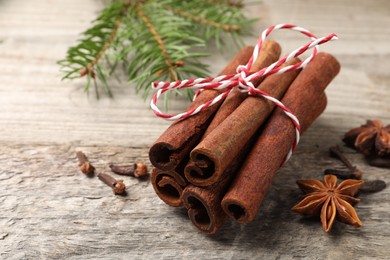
{"type": "Point", "coordinates": [204, 203]}
{"type": "Point", "coordinates": [138, 170]}
{"type": "Point", "coordinates": [117, 186]}
{"type": "Point", "coordinates": [370, 139]}
{"type": "Point", "coordinates": [307, 100]}
{"type": "Point", "coordinates": [204, 206]}
{"type": "Point", "coordinates": [330, 200]}
{"type": "Point", "coordinates": [220, 150]}
{"type": "Point", "coordinates": [179, 139]}
{"type": "Point", "coordinates": [270, 52]}
{"type": "Point", "coordinates": [169, 184]}
{"type": "Point", "coordinates": [352, 173]}
{"type": "Point", "coordinates": [85, 166]}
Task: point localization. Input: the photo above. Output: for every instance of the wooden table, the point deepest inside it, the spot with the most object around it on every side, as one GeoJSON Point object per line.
{"type": "Point", "coordinates": [48, 209]}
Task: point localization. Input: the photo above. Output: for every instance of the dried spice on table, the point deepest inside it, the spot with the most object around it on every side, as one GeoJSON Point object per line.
{"type": "Point", "coordinates": [178, 139]}
{"type": "Point", "coordinates": [118, 186]}
{"type": "Point", "coordinates": [320, 70]}
{"type": "Point", "coordinates": [85, 166]}
{"type": "Point", "coordinates": [352, 173]}
{"type": "Point", "coordinates": [213, 155]}
{"type": "Point", "coordinates": [330, 200]}
{"type": "Point", "coordinates": [372, 138]}
{"type": "Point", "coordinates": [169, 184]}
{"type": "Point", "coordinates": [138, 170]}
{"type": "Point", "coordinates": [306, 99]}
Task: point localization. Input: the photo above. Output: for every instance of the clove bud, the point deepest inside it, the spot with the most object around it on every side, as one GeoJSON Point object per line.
{"type": "Point", "coordinates": [138, 170]}
{"type": "Point", "coordinates": [85, 166]}
{"type": "Point", "coordinates": [117, 186]}
{"type": "Point", "coordinates": [352, 173]}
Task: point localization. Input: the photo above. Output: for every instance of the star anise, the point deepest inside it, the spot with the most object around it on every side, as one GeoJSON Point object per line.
{"type": "Point", "coordinates": [370, 139]}
{"type": "Point", "coordinates": [330, 200]}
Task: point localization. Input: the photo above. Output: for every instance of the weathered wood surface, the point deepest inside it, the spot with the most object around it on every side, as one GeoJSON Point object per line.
{"type": "Point", "coordinates": [48, 209]}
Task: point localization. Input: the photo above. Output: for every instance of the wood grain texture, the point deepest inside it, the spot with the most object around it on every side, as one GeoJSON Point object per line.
{"type": "Point", "coordinates": [48, 209]}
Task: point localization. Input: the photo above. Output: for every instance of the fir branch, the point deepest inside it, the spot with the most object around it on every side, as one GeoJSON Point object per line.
{"type": "Point", "coordinates": [153, 40]}
{"type": "Point", "coordinates": [238, 4]}
{"type": "Point", "coordinates": [107, 44]}
{"type": "Point", "coordinates": [82, 59]}
{"type": "Point", "coordinates": [212, 20]}
{"type": "Point", "coordinates": [161, 45]}
{"type": "Point", "coordinates": [205, 21]}
{"type": "Point", "coordinates": [159, 52]}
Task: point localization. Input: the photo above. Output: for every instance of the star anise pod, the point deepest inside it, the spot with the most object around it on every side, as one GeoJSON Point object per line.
{"type": "Point", "coordinates": [330, 200]}
{"type": "Point", "coordinates": [370, 139]}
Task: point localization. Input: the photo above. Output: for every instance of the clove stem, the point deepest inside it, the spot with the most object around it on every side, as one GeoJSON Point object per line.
{"type": "Point", "coordinates": [335, 151]}
{"type": "Point", "coordinates": [118, 186]}
{"type": "Point", "coordinates": [138, 170]}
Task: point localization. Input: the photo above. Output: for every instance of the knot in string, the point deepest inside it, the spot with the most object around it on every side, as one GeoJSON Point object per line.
{"type": "Point", "coordinates": [244, 83]}
{"type": "Point", "coordinates": [243, 78]}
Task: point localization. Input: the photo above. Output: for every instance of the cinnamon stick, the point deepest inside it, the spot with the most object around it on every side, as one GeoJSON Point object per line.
{"type": "Point", "coordinates": [306, 100]}
{"type": "Point", "coordinates": [169, 184]}
{"type": "Point", "coordinates": [204, 206]}
{"type": "Point", "coordinates": [211, 157]}
{"type": "Point", "coordinates": [179, 139]}
{"type": "Point", "coordinates": [269, 53]}
{"type": "Point", "coordinates": [204, 203]}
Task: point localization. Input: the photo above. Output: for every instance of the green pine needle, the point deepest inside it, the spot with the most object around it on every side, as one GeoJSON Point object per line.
{"type": "Point", "coordinates": [154, 40]}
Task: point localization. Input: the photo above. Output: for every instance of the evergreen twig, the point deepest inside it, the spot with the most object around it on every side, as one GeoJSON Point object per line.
{"type": "Point", "coordinates": [154, 40]}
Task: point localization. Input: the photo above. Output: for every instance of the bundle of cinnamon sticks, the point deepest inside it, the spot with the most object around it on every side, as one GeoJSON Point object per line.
{"type": "Point", "coordinates": [220, 162]}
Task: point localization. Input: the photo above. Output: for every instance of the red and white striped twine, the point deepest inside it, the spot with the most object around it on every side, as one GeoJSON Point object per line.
{"type": "Point", "coordinates": [243, 79]}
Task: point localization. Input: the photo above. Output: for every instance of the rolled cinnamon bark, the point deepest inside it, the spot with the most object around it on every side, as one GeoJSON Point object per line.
{"type": "Point", "coordinates": [179, 139]}
{"type": "Point", "coordinates": [306, 100]}
{"type": "Point", "coordinates": [211, 157]}
{"type": "Point", "coordinates": [204, 203]}
{"type": "Point", "coordinates": [269, 53]}
{"type": "Point", "coordinates": [169, 184]}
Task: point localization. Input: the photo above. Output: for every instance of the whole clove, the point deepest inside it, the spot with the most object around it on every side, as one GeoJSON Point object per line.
{"type": "Point", "coordinates": [372, 186]}
{"type": "Point", "coordinates": [352, 173]}
{"type": "Point", "coordinates": [85, 166]}
{"type": "Point", "coordinates": [117, 186]}
{"type": "Point", "coordinates": [336, 152]}
{"type": "Point", "coordinates": [138, 170]}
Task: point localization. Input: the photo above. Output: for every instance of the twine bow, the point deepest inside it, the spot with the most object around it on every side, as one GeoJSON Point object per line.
{"type": "Point", "coordinates": [243, 78]}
